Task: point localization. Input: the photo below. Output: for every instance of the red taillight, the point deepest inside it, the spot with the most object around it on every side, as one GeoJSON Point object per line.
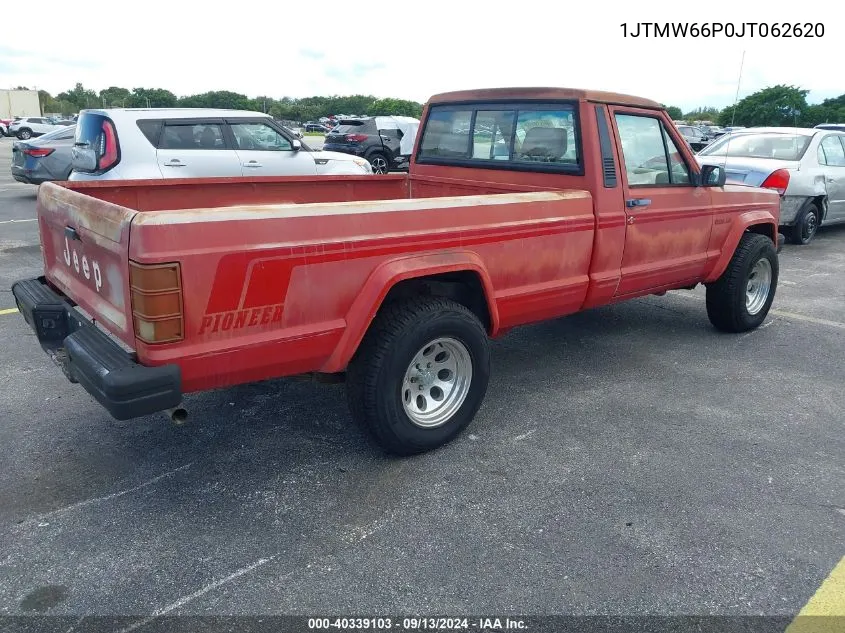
{"type": "Point", "coordinates": [38, 152]}
{"type": "Point", "coordinates": [777, 180]}
{"type": "Point", "coordinates": [356, 138]}
{"type": "Point", "coordinates": [108, 149]}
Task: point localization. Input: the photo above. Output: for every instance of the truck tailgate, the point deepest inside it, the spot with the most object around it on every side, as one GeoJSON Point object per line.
{"type": "Point", "coordinates": [85, 244]}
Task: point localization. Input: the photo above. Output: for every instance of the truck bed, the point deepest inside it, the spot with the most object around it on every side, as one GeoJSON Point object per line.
{"type": "Point", "coordinates": [310, 251]}
{"type": "Point", "coordinates": [209, 193]}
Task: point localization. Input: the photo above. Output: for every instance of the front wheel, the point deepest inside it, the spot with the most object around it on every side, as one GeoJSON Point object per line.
{"type": "Point", "coordinates": [24, 134]}
{"type": "Point", "coordinates": [741, 298]}
{"type": "Point", "coordinates": [419, 375]}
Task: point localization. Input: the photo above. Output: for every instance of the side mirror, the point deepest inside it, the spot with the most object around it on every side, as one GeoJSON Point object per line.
{"type": "Point", "coordinates": [297, 144]}
{"type": "Point", "coordinates": [712, 176]}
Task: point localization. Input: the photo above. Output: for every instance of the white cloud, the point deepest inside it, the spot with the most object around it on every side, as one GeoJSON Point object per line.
{"type": "Point", "coordinates": [413, 50]}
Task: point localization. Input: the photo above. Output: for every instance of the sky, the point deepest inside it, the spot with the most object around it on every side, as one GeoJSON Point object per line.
{"type": "Point", "coordinates": [411, 50]}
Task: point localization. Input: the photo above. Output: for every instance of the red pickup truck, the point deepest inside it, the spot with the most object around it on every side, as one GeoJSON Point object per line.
{"type": "Point", "coordinates": [520, 205]}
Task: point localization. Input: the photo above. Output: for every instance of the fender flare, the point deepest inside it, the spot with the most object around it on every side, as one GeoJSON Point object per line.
{"type": "Point", "coordinates": [389, 273]}
{"type": "Point", "coordinates": [741, 224]}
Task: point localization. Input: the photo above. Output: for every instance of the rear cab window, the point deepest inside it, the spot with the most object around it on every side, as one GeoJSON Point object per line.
{"type": "Point", "coordinates": [519, 136]}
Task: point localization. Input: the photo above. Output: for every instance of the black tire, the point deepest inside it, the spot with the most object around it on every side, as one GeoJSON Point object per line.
{"type": "Point", "coordinates": [727, 305]}
{"type": "Point", "coordinates": [806, 224]}
{"type": "Point", "coordinates": [380, 163]}
{"type": "Point", "coordinates": [24, 134]}
{"type": "Point", "coordinates": [376, 375]}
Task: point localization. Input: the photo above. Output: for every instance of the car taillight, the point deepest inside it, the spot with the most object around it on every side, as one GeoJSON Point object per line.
{"type": "Point", "coordinates": [38, 152]}
{"type": "Point", "coordinates": [108, 147]}
{"type": "Point", "coordinates": [156, 294]}
{"type": "Point", "coordinates": [777, 180]}
{"type": "Point", "coordinates": [356, 138]}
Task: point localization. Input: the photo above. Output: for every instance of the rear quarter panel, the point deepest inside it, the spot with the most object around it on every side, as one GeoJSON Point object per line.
{"type": "Point", "coordinates": [269, 290]}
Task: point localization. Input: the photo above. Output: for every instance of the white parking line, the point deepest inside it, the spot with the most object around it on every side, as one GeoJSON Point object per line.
{"type": "Point", "coordinates": [686, 294]}
{"type": "Point", "coordinates": [16, 221]}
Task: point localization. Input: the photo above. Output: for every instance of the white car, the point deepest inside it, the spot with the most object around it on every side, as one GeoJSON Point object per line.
{"type": "Point", "coordinates": [28, 127]}
{"type": "Point", "coordinates": [806, 166]}
{"type": "Point", "coordinates": [137, 143]}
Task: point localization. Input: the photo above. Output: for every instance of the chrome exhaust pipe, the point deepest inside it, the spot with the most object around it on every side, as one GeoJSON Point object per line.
{"type": "Point", "coordinates": [178, 415]}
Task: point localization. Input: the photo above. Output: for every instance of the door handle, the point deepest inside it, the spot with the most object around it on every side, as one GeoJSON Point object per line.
{"type": "Point", "coordinates": [174, 163]}
{"type": "Point", "coordinates": [253, 163]}
{"type": "Point", "coordinates": [637, 202]}
{"type": "Point", "coordinates": [830, 179]}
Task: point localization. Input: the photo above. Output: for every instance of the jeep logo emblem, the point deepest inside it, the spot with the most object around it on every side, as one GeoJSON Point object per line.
{"type": "Point", "coordinates": [85, 267]}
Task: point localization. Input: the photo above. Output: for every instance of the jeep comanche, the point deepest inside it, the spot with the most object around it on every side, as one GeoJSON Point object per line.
{"type": "Point", "coordinates": [520, 205]}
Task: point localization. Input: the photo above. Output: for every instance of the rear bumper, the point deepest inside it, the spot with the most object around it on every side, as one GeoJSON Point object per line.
{"type": "Point", "coordinates": [88, 356]}
{"type": "Point", "coordinates": [27, 176]}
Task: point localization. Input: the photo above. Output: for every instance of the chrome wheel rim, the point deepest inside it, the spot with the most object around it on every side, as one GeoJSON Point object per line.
{"type": "Point", "coordinates": [436, 382]}
{"type": "Point", "coordinates": [810, 226]}
{"type": "Point", "coordinates": [379, 165]}
{"type": "Point", "coordinates": [758, 286]}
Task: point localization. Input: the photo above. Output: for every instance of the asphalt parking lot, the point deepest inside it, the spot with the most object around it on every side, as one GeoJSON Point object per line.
{"type": "Point", "coordinates": [627, 460]}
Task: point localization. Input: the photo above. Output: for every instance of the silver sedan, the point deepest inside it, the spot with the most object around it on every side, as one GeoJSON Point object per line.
{"type": "Point", "coordinates": [805, 166]}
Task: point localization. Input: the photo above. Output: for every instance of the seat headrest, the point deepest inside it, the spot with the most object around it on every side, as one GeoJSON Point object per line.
{"type": "Point", "coordinates": [547, 143]}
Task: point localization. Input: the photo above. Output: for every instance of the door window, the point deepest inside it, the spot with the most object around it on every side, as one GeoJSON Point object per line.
{"type": "Point", "coordinates": [259, 137]}
{"type": "Point", "coordinates": [192, 136]}
{"type": "Point", "coordinates": [833, 153]}
{"type": "Point", "coordinates": [650, 154]}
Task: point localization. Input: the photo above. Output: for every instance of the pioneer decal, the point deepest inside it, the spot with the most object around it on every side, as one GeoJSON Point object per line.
{"type": "Point", "coordinates": [239, 319]}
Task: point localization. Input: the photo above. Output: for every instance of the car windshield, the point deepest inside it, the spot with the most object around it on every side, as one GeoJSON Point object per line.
{"type": "Point", "coordinates": [775, 145]}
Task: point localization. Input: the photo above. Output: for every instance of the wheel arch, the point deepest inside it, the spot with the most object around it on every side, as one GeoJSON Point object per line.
{"type": "Point", "coordinates": [457, 275]}
{"type": "Point", "coordinates": [759, 221]}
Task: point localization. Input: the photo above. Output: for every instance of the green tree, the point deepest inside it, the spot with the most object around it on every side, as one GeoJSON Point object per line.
{"type": "Point", "coordinates": [80, 97]}
{"type": "Point", "coordinates": [776, 106]}
{"type": "Point", "coordinates": [217, 99]}
{"type": "Point", "coordinates": [114, 97]}
{"type": "Point", "coordinates": [674, 112]}
{"type": "Point", "coordinates": [48, 103]}
{"type": "Point", "coordinates": [705, 113]}
{"type": "Point", "coordinates": [151, 98]}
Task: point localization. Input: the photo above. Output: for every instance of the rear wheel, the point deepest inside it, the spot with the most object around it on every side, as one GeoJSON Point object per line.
{"type": "Point", "coordinates": [741, 298]}
{"type": "Point", "coordinates": [420, 374]}
{"type": "Point", "coordinates": [806, 224]}
{"type": "Point", "coordinates": [379, 163]}
{"type": "Point", "coordinates": [25, 134]}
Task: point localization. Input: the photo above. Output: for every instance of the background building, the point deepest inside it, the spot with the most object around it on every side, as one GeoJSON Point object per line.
{"type": "Point", "coordinates": [19, 103]}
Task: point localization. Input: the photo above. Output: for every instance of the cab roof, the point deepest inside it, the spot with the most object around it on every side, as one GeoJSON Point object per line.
{"type": "Point", "coordinates": [496, 94]}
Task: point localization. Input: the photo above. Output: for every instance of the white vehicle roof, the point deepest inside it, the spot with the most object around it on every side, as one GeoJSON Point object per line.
{"type": "Point", "coordinates": [798, 131]}
{"type": "Point", "coordinates": [173, 113]}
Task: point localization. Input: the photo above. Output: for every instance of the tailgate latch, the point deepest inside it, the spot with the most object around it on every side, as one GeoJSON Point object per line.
{"type": "Point", "coordinates": [72, 234]}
